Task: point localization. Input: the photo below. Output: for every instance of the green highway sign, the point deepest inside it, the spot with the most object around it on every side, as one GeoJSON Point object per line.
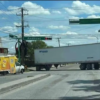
{"type": "Point", "coordinates": [37, 38]}
{"type": "Point", "coordinates": [31, 38]}
{"type": "Point", "coordinates": [86, 21]}
{"type": "Point", "coordinates": [90, 21]}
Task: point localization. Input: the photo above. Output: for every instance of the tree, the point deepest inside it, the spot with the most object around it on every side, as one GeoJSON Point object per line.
{"type": "Point", "coordinates": [35, 45]}
{"type": "Point", "coordinates": [49, 46]}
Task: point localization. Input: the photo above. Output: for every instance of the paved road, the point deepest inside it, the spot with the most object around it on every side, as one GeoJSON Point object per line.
{"type": "Point", "coordinates": [68, 83]}
{"type": "Point", "coordinates": [8, 78]}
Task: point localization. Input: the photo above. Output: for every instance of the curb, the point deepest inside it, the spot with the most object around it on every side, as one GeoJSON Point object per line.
{"type": "Point", "coordinates": [15, 86]}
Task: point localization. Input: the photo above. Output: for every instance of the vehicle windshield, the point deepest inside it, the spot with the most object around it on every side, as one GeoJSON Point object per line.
{"type": "Point", "coordinates": [17, 64]}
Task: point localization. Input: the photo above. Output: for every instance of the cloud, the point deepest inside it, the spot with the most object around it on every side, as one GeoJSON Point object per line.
{"type": "Point", "coordinates": [32, 32]}
{"type": "Point", "coordinates": [97, 31]}
{"type": "Point", "coordinates": [8, 29]}
{"type": "Point", "coordinates": [3, 18]}
{"type": "Point", "coordinates": [70, 33]}
{"type": "Point", "coordinates": [12, 47]}
{"type": "Point", "coordinates": [56, 12]}
{"type": "Point", "coordinates": [33, 29]}
{"type": "Point", "coordinates": [8, 12]}
{"type": "Point", "coordinates": [93, 16]}
{"type": "Point", "coordinates": [2, 2]}
{"type": "Point", "coordinates": [4, 39]}
{"type": "Point", "coordinates": [59, 27]}
{"type": "Point", "coordinates": [71, 11]}
{"type": "Point", "coordinates": [73, 17]}
{"type": "Point", "coordinates": [34, 9]}
{"type": "Point", "coordinates": [17, 24]}
{"type": "Point", "coordinates": [79, 7]}
{"type": "Point", "coordinates": [13, 8]}
{"type": "Point", "coordinates": [91, 37]}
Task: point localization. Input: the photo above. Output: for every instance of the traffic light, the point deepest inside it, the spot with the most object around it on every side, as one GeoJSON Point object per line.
{"type": "Point", "coordinates": [24, 44]}
{"type": "Point", "coordinates": [16, 51]}
{"type": "Point", "coordinates": [48, 38]}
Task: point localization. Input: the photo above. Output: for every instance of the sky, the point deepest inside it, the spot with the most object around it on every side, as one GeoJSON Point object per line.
{"type": "Point", "coordinates": [50, 18]}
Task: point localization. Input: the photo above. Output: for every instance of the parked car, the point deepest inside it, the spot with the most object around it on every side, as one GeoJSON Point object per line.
{"type": "Point", "coordinates": [19, 68]}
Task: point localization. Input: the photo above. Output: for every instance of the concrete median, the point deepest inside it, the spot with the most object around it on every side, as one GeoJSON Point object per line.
{"type": "Point", "coordinates": [6, 87]}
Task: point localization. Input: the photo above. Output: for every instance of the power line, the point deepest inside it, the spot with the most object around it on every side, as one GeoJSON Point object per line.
{"type": "Point", "coordinates": [60, 8]}
{"type": "Point", "coordinates": [5, 8]}
{"type": "Point", "coordinates": [6, 32]}
{"type": "Point", "coordinates": [31, 9]}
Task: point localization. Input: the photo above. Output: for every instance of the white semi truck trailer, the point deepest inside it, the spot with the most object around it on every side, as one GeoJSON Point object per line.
{"type": "Point", "coordinates": [87, 55]}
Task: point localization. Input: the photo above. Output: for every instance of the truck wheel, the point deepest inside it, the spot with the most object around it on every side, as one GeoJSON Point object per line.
{"type": "Point", "coordinates": [96, 66]}
{"type": "Point", "coordinates": [4, 73]}
{"type": "Point", "coordinates": [89, 66]}
{"type": "Point", "coordinates": [56, 65]}
{"type": "Point", "coordinates": [22, 71]}
{"type": "Point", "coordinates": [47, 67]}
{"type": "Point", "coordinates": [82, 67]}
{"type": "Point", "coordinates": [38, 68]}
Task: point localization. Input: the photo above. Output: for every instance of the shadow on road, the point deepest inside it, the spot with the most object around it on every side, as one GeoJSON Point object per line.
{"type": "Point", "coordinates": [58, 70]}
{"type": "Point", "coordinates": [83, 97]}
{"type": "Point", "coordinates": [87, 87]}
{"type": "Point", "coordinates": [94, 88]}
{"type": "Point", "coordinates": [65, 70]}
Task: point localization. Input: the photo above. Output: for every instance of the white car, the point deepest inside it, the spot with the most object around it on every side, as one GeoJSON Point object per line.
{"type": "Point", "coordinates": [19, 68]}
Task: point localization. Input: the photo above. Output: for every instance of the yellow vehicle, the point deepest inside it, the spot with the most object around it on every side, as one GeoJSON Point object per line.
{"type": "Point", "coordinates": [7, 64]}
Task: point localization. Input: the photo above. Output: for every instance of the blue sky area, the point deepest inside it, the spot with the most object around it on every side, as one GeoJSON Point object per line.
{"type": "Point", "coordinates": [50, 18]}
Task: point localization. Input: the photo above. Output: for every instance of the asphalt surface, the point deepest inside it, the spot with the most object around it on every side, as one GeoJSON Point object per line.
{"type": "Point", "coordinates": [64, 83]}
{"type": "Point", "coordinates": [12, 77]}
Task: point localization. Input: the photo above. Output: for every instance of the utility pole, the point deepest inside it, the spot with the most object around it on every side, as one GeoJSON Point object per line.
{"type": "Point", "coordinates": [59, 45]}
{"type": "Point", "coordinates": [22, 26]}
{"type": "Point", "coordinates": [58, 41]}
{"type": "Point", "coordinates": [19, 51]}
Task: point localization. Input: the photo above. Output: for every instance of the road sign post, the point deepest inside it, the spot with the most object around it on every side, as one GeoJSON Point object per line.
{"type": "Point", "coordinates": [13, 36]}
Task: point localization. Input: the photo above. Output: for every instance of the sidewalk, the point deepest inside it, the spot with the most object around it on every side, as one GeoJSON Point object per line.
{"type": "Point", "coordinates": [6, 87]}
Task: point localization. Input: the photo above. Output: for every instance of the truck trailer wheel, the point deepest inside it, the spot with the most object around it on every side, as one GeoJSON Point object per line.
{"type": "Point", "coordinates": [47, 67]}
{"type": "Point", "coordinates": [56, 65]}
{"type": "Point", "coordinates": [38, 68]}
{"type": "Point", "coordinates": [22, 71]}
{"type": "Point", "coordinates": [83, 66]}
{"type": "Point", "coordinates": [89, 66]}
{"type": "Point", "coordinates": [4, 73]}
{"type": "Point", "coordinates": [96, 66]}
